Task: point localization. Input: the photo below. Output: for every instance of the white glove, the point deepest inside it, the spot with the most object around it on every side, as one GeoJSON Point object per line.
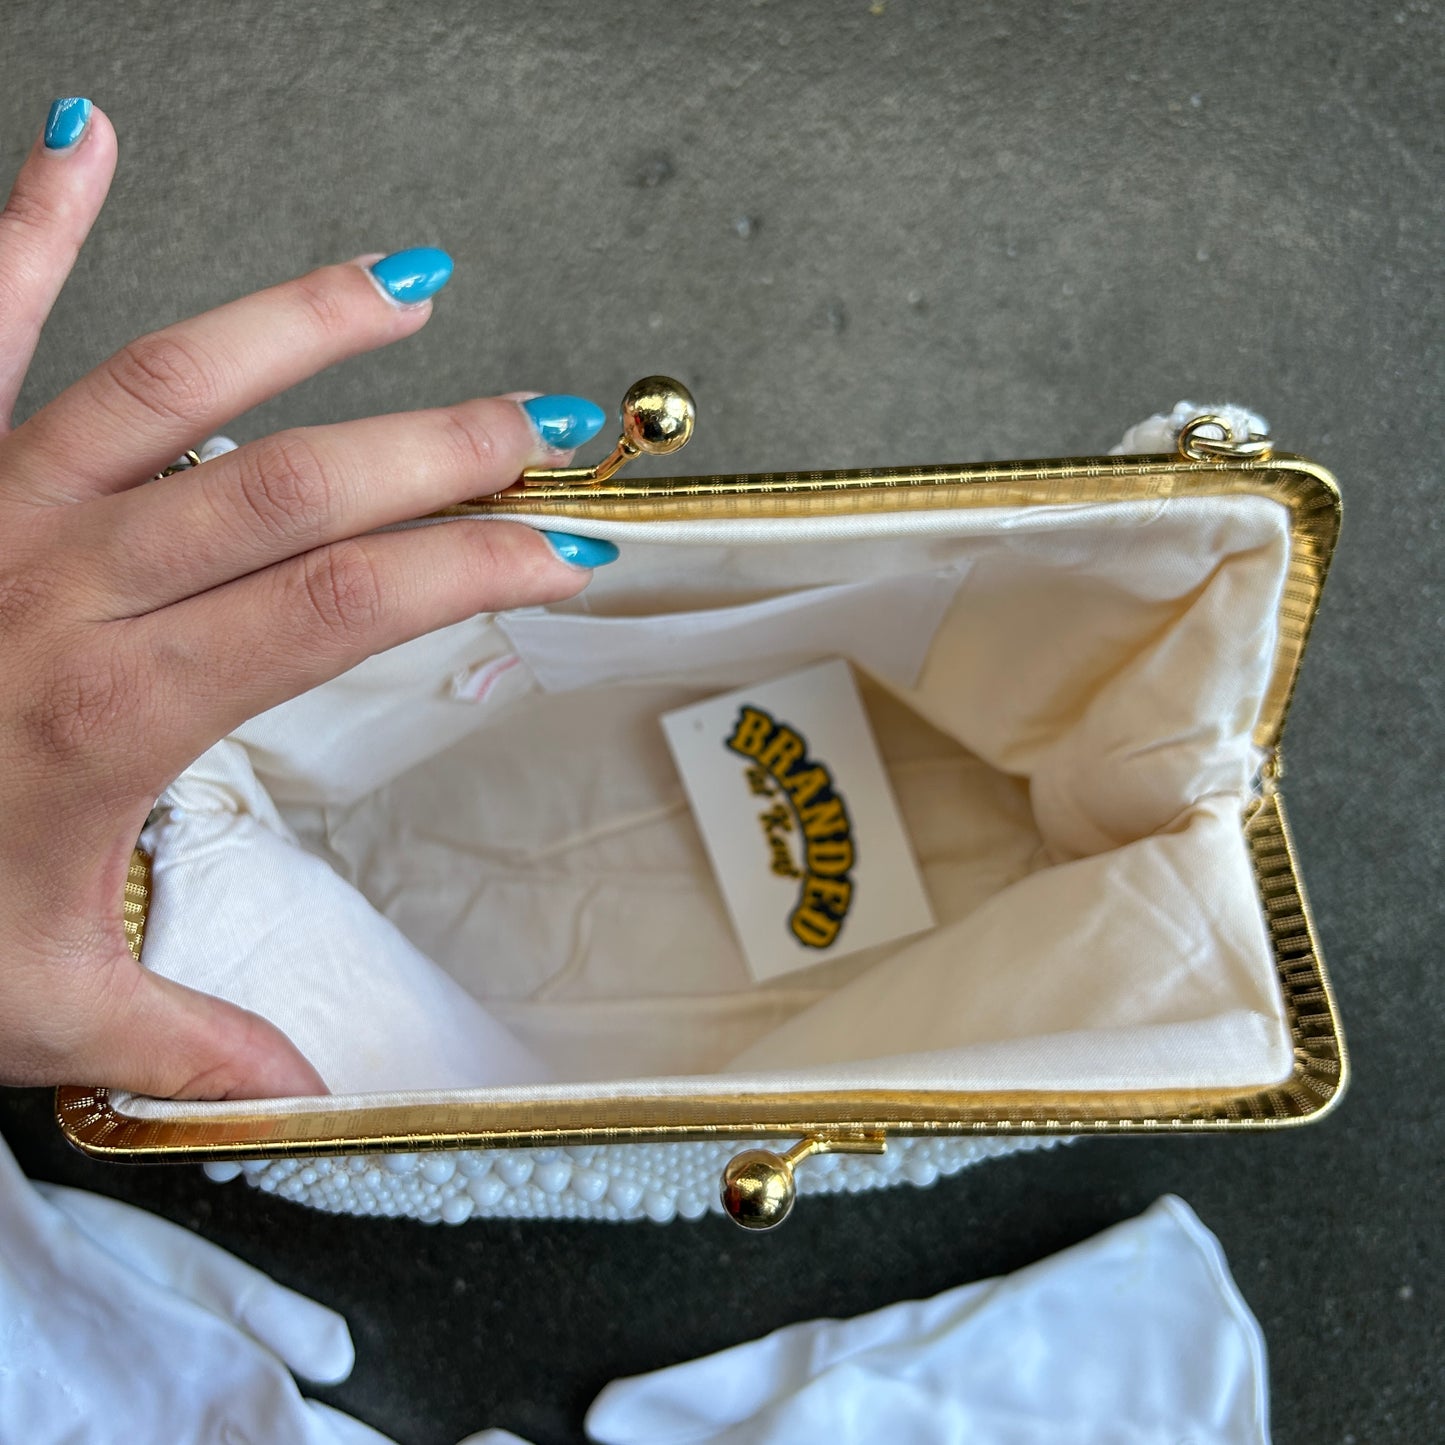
{"type": "Point", "coordinates": [1136, 1335]}
{"type": "Point", "coordinates": [116, 1325]}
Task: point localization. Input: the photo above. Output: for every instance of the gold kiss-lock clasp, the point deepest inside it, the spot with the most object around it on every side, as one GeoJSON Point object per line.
{"type": "Point", "coordinates": [758, 1188]}
{"type": "Point", "coordinates": [658, 415]}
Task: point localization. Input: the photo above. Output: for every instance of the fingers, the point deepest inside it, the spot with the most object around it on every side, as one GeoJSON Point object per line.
{"type": "Point", "coordinates": [235, 651]}
{"type": "Point", "coordinates": [163, 392]}
{"type": "Point", "coordinates": [56, 198]}
{"type": "Point", "coordinates": [294, 491]}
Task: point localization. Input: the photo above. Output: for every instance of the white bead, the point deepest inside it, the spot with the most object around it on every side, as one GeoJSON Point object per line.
{"type": "Point", "coordinates": [217, 446]}
{"type": "Point", "coordinates": [659, 1207]}
{"type": "Point", "coordinates": [515, 1167]}
{"type": "Point", "coordinates": [589, 1184]}
{"type": "Point", "coordinates": [921, 1171]}
{"type": "Point", "coordinates": [583, 1182]}
{"type": "Point", "coordinates": [222, 1171]}
{"type": "Point", "coordinates": [486, 1190]}
{"type": "Point", "coordinates": [438, 1168]}
{"type": "Point", "coordinates": [626, 1194]}
{"type": "Point", "coordinates": [551, 1177]}
{"type": "Point", "coordinates": [457, 1209]}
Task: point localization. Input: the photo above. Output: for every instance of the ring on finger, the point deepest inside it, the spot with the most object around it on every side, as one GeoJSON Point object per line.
{"type": "Point", "coordinates": [188, 459]}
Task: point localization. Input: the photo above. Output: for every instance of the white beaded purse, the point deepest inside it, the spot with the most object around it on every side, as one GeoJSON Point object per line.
{"type": "Point", "coordinates": [464, 880]}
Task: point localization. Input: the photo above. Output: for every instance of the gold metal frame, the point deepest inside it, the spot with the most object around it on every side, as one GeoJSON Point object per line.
{"type": "Point", "coordinates": [860, 1118]}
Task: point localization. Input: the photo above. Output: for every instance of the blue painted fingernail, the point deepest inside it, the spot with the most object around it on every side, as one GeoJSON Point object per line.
{"type": "Point", "coordinates": [66, 122]}
{"type": "Point", "coordinates": [564, 422]}
{"type": "Point", "coordinates": [581, 551]}
{"type": "Point", "coordinates": [415, 275]}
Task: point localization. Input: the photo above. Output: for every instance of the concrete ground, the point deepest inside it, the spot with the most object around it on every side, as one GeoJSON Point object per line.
{"type": "Point", "coordinates": [864, 233]}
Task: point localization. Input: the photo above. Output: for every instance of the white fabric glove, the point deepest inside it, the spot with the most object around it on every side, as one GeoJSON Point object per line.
{"type": "Point", "coordinates": [117, 1326]}
{"type": "Point", "coordinates": [1138, 1335]}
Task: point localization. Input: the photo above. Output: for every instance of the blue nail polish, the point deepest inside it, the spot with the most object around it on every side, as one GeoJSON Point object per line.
{"type": "Point", "coordinates": [66, 122]}
{"type": "Point", "coordinates": [564, 422]}
{"type": "Point", "coordinates": [581, 551]}
{"type": "Point", "coordinates": [415, 275]}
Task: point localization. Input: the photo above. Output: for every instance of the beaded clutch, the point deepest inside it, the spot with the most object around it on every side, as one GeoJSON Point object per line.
{"type": "Point", "coordinates": [464, 879]}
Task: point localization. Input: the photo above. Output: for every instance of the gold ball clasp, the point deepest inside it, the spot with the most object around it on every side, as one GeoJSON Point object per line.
{"type": "Point", "coordinates": [758, 1189]}
{"type": "Point", "coordinates": [658, 415]}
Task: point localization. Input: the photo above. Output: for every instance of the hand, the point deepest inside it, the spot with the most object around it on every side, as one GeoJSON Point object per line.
{"type": "Point", "coordinates": [141, 621]}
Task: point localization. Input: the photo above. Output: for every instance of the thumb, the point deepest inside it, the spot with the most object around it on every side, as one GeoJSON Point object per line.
{"type": "Point", "coordinates": [173, 1042]}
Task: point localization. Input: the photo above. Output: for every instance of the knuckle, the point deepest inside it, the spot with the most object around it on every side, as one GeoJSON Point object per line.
{"type": "Point", "coordinates": [19, 281]}
{"type": "Point", "coordinates": [28, 213]}
{"type": "Point", "coordinates": [323, 305]}
{"type": "Point", "coordinates": [282, 481]}
{"type": "Point", "coordinates": [26, 596]}
{"type": "Point", "coordinates": [489, 555]}
{"type": "Point", "coordinates": [475, 445]}
{"type": "Point", "coordinates": [509, 563]}
{"type": "Point", "coordinates": [87, 699]}
{"type": "Point", "coordinates": [165, 376]}
{"type": "Point", "coordinates": [17, 286]}
{"type": "Point", "coordinates": [343, 591]}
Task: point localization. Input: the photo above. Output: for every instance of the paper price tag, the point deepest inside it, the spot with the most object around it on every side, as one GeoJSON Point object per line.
{"type": "Point", "coordinates": [799, 820]}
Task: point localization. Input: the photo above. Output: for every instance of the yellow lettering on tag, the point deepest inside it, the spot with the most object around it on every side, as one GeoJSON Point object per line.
{"type": "Point", "coordinates": [812, 928]}
{"type": "Point", "coordinates": [828, 855]}
{"type": "Point", "coordinates": [830, 859]}
{"type": "Point", "coordinates": [804, 786]}
{"type": "Point", "coordinates": [759, 782]}
{"type": "Point", "coordinates": [824, 820]}
{"type": "Point", "coordinates": [833, 894]}
{"type": "Point", "coordinates": [780, 754]}
{"type": "Point", "coordinates": [751, 732]}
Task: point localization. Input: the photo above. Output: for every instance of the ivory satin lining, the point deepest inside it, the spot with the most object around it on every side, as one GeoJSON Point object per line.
{"type": "Point", "coordinates": [499, 894]}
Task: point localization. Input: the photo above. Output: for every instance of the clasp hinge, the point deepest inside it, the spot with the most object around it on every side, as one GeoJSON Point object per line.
{"type": "Point", "coordinates": [1266, 783]}
{"type": "Point", "coordinates": [1210, 437]}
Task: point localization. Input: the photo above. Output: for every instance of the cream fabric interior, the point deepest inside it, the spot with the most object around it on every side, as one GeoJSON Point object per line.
{"type": "Point", "coordinates": [467, 865]}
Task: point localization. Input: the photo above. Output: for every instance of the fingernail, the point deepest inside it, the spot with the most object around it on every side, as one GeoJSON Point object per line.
{"type": "Point", "coordinates": [581, 551]}
{"type": "Point", "coordinates": [564, 422]}
{"type": "Point", "coordinates": [415, 275]}
{"type": "Point", "coordinates": [66, 122]}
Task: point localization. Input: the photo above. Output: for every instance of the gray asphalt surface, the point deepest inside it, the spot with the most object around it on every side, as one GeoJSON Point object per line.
{"type": "Point", "coordinates": [886, 233]}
